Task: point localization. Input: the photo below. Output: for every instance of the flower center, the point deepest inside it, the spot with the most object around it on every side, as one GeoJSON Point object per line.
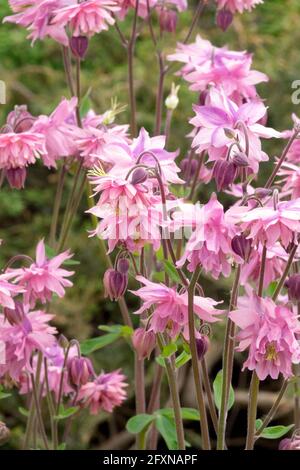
{"type": "Point", "coordinates": [271, 353]}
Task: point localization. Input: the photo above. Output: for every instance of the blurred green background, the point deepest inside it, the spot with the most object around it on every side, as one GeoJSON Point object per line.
{"type": "Point", "coordinates": [34, 76]}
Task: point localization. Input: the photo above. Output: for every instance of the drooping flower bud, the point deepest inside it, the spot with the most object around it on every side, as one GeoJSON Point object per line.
{"type": "Point", "coordinates": [240, 159]}
{"type": "Point", "coordinates": [115, 284]}
{"type": "Point", "coordinates": [241, 246]}
{"type": "Point", "coordinates": [4, 433]}
{"type": "Point", "coordinates": [224, 173]}
{"type": "Point", "coordinates": [139, 176]}
{"type": "Point", "coordinates": [79, 46]}
{"type": "Point", "coordinates": [144, 342]}
{"type": "Point", "coordinates": [172, 99]}
{"type": "Point", "coordinates": [15, 316]}
{"type": "Point", "coordinates": [262, 192]}
{"type": "Point", "coordinates": [289, 444]}
{"type": "Point", "coordinates": [202, 343]}
{"type": "Point", "coordinates": [80, 370]}
{"type": "Point", "coordinates": [224, 19]}
{"type": "Point", "coordinates": [293, 286]}
{"type": "Point", "coordinates": [188, 168]}
{"type": "Point", "coordinates": [16, 177]}
{"type": "Point", "coordinates": [63, 341]}
{"type": "Point", "coordinates": [123, 265]}
{"type": "Point", "coordinates": [167, 20]}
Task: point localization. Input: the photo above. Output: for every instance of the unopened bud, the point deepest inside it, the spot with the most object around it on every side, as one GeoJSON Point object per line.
{"type": "Point", "coordinates": [167, 20]}
{"type": "Point", "coordinates": [224, 173]}
{"type": "Point", "coordinates": [188, 168]}
{"type": "Point", "coordinates": [202, 344]}
{"type": "Point", "coordinates": [293, 286]}
{"type": "Point", "coordinates": [241, 246]}
{"type": "Point", "coordinates": [123, 266]}
{"type": "Point", "coordinates": [172, 100]}
{"type": "Point", "coordinates": [4, 433]}
{"type": "Point", "coordinates": [15, 316]}
{"type": "Point", "coordinates": [240, 159]}
{"type": "Point", "coordinates": [115, 284]}
{"type": "Point", "coordinates": [80, 370]}
{"type": "Point", "coordinates": [289, 444]}
{"type": "Point", "coordinates": [16, 177]}
{"type": "Point", "coordinates": [79, 46]}
{"type": "Point", "coordinates": [262, 192]}
{"type": "Point", "coordinates": [224, 19]}
{"type": "Point", "coordinates": [63, 342]}
{"type": "Point", "coordinates": [139, 176]}
{"type": "Point", "coordinates": [144, 342]}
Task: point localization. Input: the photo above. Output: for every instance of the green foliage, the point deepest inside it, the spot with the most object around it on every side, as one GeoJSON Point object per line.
{"type": "Point", "coordinates": [273, 432]}
{"type": "Point", "coordinates": [217, 386]}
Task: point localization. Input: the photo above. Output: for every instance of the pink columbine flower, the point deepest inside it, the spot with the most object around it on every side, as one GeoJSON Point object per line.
{"type": "Point", "coordinates": [210, 243]}
{"type": "Point", "coordinates": [86, 18]}
{"type": "Point", "coordinates": [171, 308]}
{"type": "Point", "coordinates": [36, 15]}
{"type": "Point", "coordinates": [23, 339]}
{"type": "Point", "coordinates": [267, 225]}
{"type": "Point", "coordinates": [223, 123]}
{"type": "Point", "coordinates": [8, 291]}
{"type": "Point", "coordinates": [145, 5]}
{"type": "Point", "coordinates": [18, 150]}
{"type": "Point", "coordinates": [207, 65]}
{"type": "Point", "coordinates": [104, 393]}
{"type": "Point", "coordinates": [237, 5]}
{"type": "Point", "coordinates": [44, 277]}
{"type": "Point", "coordinates": [270, 332]}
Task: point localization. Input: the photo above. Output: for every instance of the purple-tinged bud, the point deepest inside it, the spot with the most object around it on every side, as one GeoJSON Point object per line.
{"type": "Point", "coordinates": [202, 98]}
{"type": "Point", "coordinates": [63, 342]}
{"type": "Point", "coordinates": [15, 316]}
{"type": "Point", "coordinates": [241, 246]}
{"type": "Point", "coordinates": [123, 265]}
{"type": "Point", "coordinates": [79, 46]}
{"type": "Point", "coordinates": [139, 176]}
{"type": "Point", "coordinates": [16, 177]}
{"type": "Point", "coordinates": [289, 444]}
{"type": "Point", "coordinates": [224, 19]}
{"type": "Point", "coordinates": [202, 343]}
{"type": "Point", "coordinates": [143, 342]}
{"type": "Point", "coordinates": [167, 20]}
{"type": "Point", "coordinates": [115, 284]}
{"type": "Point", "coordinates": [224, 173]}
{"type": "Point", "coordinates": [80, 370]}
{"type": "Point", "coordinates": [263, 192]}
{"type": "Point", "coordinates": [20, 120]}
{"type": "Point", "coordinates": [4, 433]}
{"type": "Point", "coordinates": [240, 159]}
{"type": "Point", "coordinates": [188, 168]}
{"type": "Point", "coordinates": [293, 286]}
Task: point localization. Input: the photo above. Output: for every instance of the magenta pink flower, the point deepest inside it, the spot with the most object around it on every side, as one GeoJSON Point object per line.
{"type": "Point", "coordinates": [22, 340]}
{"type": "Point", "coordinates": [237, 5]}
{"type": "Point", "coordinates": [267, 225]}
{"type": "Point", "coordinates": [18, 150]}
{"type": "Point", "coordinates": [270, 333]}
{"type": "Point", "coordinates": [86, 18]}
{"type": "Point", "coordinates": [104, 393]}
{"type": "Point", "coordinates": [44, 277]}
{"type": "Point", "coordinates": [210, 243]}
{"type": "Point", "coordinates": [170, 309]}
{"type": "Point", "coordinates": [222, 123]}
{"type": "Point", "coordinates": [8, 291]}
{"type": "Point", "coordinates": [36, 15]}
{"type": "Point", "coordinates": [144, 5]}
{"type": "Point", "coordinates": [291, 179]}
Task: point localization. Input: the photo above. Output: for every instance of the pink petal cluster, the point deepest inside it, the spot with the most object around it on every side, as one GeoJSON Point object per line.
{"type": "Point", "coordinates": [44, 277]}
{"type": "Point", "coordinates": [18, 150]}
{"type": "Point", "coordinates": [145, 5]}
{"type": "Point", "coordinates": [103, 394]}
{"type": "Point", "coordinates": [170, 308]}
{"type": "Point", "coordinates": [238, 5]}
{"type": "Point", "coordinates": [269, 332]}
{"type": "Point", "coordinates": [8, 291]}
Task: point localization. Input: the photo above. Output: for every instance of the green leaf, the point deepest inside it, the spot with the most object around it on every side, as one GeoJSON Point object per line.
{"type": "Point", "coordinates": [65, 413]}
{"type": "Point", "coordinates": [187, 413]}
{"type": "Point", "coordinates": [93, 344]}
{"type": "Point", "coordinates": [62, 446]}
{"type": "Point", "coordinates": [217, 386]}
{"type": "Point", "coordinates": [271, 289]}
{"type": "Point", "coordinates": [125, 331]}
{"type": "Point", "coordinates": [172, 272]}
{"type": "Point", "coordinates": [166, 427]}
{"type": "Point", "coordinates": [50, 253]}
{"type": "Point", "coordinates": [160, 361]}
{"type": "Point", "coordinates": [3, 394]}
{"type": "Point", "coordinates": [182, 359]}
{"type": "Point", "coordinates": [139, 423]}
{"type": "Point", "coordinates": [169, 349]}
{"type": "Point", "coordinates": [86, 103]}
{"type": "Point", "coordinates": [273, 432]}
{"type": "Point", "coordinates": [23, 411]}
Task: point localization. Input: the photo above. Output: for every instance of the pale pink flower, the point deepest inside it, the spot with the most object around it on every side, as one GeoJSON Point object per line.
{"type": "Point", "coordinates": [22, 340]}
{"type": "Point", "coordinates": [170, 308]}
{"type": "Point", "coordinates": [237, 5]}
{"type": "Point", "coordinates": [270, 332]}
{"type": "Point", "coordinates": [8, 291]}
{"type": "Point", "coordinates": [290, 174]}
{"type": "Point", "coordinates": [223, 123]}
{"type": "Point", "coordinates": [86, 18]}
{"type": "Point", "coordinates": [210, 243]}
{"type": "Point", "coordinates": [36, 15]}
{"type": "Point", "coordinates": [18, 150]}
{"type": "Point", "coordinates": [44, 277]}
{"type": "Point", "coordinates": [104, 393]}
{"type": "Point", "coordinates": [268, 225]}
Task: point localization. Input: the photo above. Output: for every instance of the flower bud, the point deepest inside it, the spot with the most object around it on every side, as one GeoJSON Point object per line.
{"type": "Point", "coordinates": [289, 444]}
{"type": "Point", "coordinates": [63, 342]}
{"type": "Point", "coordinates": [172, 100]}
{"type": "Point", "coordinates": [202, 344]}
{"type": "Point", "coordinates": [115, 284]}
{"type": "Point", "coordinates": [80, 370]}
{"type": "Point", "coordinates": [167, 20]}
{"type": "Point", "coordinates": [79, 46]}
{"type": "Point", "coordinates": [4, 433]}
{"type": "Point", "coordinates": [224, 172]}
{"type": "Point", "coordinates": [15, 316]}
{"type": "Point", "coordinates": [240, 159]}
{"type": "Point", "coordinates": [16, 177]}
{"type": "Point", "coordinates": [123, 266]}
{"type": "Point", "coordinates": [263, 192]}
{"type": "Point", "coordinates": [241, 246]}
{"type": "Point", "coordinates": [139, 176]}
{"type": "Point", "coordinates": [144, 342]}
{"type": "Point", "coordinates": [188, 168]}
{"type": "Point", "coordinates": [202, 98]}
{"type": "Point", "coordinates": [224, 19]}
{"type": "Point", "coordinates": [293, 286]}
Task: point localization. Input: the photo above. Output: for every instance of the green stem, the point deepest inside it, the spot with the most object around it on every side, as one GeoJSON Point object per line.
{"type": "Point", "coordinates": [273, 410]}
{"type": "Point", "coordinates": [38, 412]}
{"type": "Point", "coordinates": [252, 410]}
{"type": "Point", "coordinates": [57, 203]}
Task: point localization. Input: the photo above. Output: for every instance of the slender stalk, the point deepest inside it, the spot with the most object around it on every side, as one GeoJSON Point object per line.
{"type": "Point", "coordinates": [38, 412]}
{"type": "Point", "coordinates": [197, 14]}
{"type": "Point", "coordinates": [160, 93]}
{"type": "Point", "coordinates": [31, 417]}
{"type": "Point", "coordinates": [154, 403]}
{"type": "Point", "coordinates": [51, 407]}
{"type": "Point", "coordinates": [57, 203]}
{"type": "Point", "coordinates": [228, 357]}
{"type": "Point", "coordinates": [262, 271]}
{"type": "Point", "coordinates": [130, 58]}
{"type": "Point", "coordinates": [68, 69]}
{"type": "Point", "coordinates": [168, 125]}
{"type": "Point", "coordinates": [285, 273]}
{"type": "Point", "coordinates": [252, 409]}
{"type": "Point", "coordinates": [195, 363]}
{"type": "Point", "coordinates": [140, 397]}
{"type": "Point", "coordinates": [273, 410]}
{"type": "Point", "coordinates": [209, 394]}
{"type": "Point", "coordinates": [196, 177]}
